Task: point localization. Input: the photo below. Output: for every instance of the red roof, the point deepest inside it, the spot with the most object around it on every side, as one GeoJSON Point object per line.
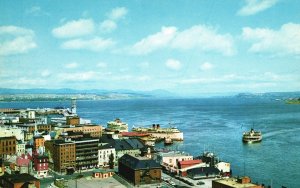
{"type": "Point", "coordinates": [134, 134]}
{"type": "Point", "coordinates": [190, 162]}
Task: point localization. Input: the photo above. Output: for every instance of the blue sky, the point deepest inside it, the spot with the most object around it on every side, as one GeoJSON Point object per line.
{"type": "Point", "coordinates": [187, 47]}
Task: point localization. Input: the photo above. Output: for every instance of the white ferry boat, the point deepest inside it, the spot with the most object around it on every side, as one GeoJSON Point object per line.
{"type": "Point", "coordinates": [252, 136]}
{"type": "Point", "coordinates": [161, 133]}
{"type": "Point", "coordinates": [117, 125]}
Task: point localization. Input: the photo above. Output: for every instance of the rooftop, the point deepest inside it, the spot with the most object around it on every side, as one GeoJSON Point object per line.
{"type": "Point", "coordinates": [173, 154]}
{"type": "Point", "coordinates": [137, 163]}
{"type": "Point", "coordinates": [19, 178]}
{"type": "Point", "coordinates": [233, 182]}
{"type": "Point", "coordinates": [189, 162]}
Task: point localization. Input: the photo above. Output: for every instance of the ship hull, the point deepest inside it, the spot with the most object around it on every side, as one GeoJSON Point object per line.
{"type": "Point", "coordinates": [159, 135]}
{"type": "Point", "coordinates": [172, 136]}
{"type": "Point", "coordinates": [251, 141]}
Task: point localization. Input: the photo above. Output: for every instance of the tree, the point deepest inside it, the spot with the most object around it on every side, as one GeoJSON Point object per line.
{"type": "Point", "coordinates": [111, 162]}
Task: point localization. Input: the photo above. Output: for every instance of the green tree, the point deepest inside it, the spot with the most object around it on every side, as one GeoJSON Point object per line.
{"type": "Point", "coordinates": [111, 162]}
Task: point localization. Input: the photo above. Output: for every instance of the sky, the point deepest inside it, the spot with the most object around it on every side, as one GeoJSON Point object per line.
{"type": "Point", "coordinates": [186, 47]}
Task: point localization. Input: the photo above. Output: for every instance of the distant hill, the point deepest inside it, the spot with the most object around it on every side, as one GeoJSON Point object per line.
{"type": "Point", "coordinates": [67, 91]}
{"type": "Point", "coordinates": [270, 95]}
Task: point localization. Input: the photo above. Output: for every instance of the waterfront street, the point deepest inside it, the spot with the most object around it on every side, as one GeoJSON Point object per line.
{"type": "Point", "coordinates": [87, 181]}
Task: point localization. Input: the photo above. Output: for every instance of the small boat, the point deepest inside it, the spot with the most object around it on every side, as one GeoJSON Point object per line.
{"type": "Point", "coordinates": [168, 141]}
{"type": "Point", "coordinates": [252, 136]}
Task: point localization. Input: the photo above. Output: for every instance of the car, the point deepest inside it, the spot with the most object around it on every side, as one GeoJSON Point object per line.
{"type": "Point", "coordinates": [200, 183]}
{"type": "Point", "coordinates": [172, 183]}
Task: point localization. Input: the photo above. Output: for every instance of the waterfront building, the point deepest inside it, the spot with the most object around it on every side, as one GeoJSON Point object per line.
{"type": "Point", "coordinates": [183, 166]}
{"type": "Point", "coordinates": [169, 159]}
{"type": "Point", "coordinates": [7, 146]}
{"type": "Point", "coordinates": [244, 182]}
{"type": "Point", "coordinates": [104, 152]}
{"type": "Point", "coordinates": [63, 155]}
{"type": "Point", "coordinates": [128, 146]}
{"type": "Point", "coordinates": [139, 170]}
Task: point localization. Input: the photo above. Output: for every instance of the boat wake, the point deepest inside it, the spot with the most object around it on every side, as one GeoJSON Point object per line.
{"type": "Point", "coordinates": [275, 133]}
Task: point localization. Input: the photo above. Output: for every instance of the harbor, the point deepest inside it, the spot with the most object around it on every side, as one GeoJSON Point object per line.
{"type": "Point", "coordinates": [192, 147]}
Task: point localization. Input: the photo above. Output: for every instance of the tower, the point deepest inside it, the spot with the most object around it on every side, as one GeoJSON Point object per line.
{"type": "Point", "coordinates": [73, 107]}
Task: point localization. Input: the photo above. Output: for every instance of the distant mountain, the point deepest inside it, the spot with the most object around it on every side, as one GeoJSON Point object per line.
{"type": "Point", "coordinates": [65, 91]}
{"type": "Point", "coordinates": [270, 95]}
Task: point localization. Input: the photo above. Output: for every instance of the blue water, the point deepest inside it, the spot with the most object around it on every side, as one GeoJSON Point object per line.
{"type": "Point", "coordinates": [216, 125]}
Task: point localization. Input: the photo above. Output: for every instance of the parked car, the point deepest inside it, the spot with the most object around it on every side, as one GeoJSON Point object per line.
{"type": "Point", "coordinates": [200, 183]}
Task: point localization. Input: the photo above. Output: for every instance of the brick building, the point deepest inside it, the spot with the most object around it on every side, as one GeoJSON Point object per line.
{"type": "Point", "coordinates": [139, 170]}
{"type": "Point", "coordinates": [244, 182]}
{"type": "Point", "coordinates": [38, 142]}
{"type": "Point", "coordinates": [41, 165]}
{"type": "Point", "coordinates": [94, 130]}
{"type": "Point", "coordinates": [64, 156]}
{"type": "Point", "coordinates": [7, 145]}
{"type": "Point", "coordinates": [19, 181]}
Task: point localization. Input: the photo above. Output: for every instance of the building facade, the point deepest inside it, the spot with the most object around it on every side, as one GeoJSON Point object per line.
{"type": "Point", "coordinates": [94, 130]}
{"type": "Point", "coordinates": [7, 145]}
{"type": "Point", "coordinates": [104, 153]}
{"type": "Point", "coordinates": [64, 156]}
{"type": "Point", "coordinates": [139, 170]}
{"type": "Point", "coordinates": [244, 182]}
{"type": "Point", "coordinates": [86, 153]}
{"type": "Point", "coordinates": [41, 165]}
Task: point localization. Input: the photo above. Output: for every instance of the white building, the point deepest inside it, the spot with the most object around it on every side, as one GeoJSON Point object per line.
{"type": "Point", "coordinates": [170, 159]}
{"type": "Point", "coordinates": [223, 167]}
{"type": "Point", "coordinates": [20, 147]}
{"type": "Point", "coordinates": [104, 152]}
{"type": "Point", "coordinates": [7, 132]}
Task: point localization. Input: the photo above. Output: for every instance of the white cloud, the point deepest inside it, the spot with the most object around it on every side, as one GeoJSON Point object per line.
{"type": "Point", "coordinates": [45, 73]}
{"type": "Point", "coordinates": [204, 38]}
{"type": "Point", "coordinates": [206, 66]}
{"type": "Point", "coordinates": [258, 78]}
{"type": "Point", "coordinates": [255, 6]}
{"type": "Point", "coordinates": [95, 44]}
{"type": "Point", "coordinates": [173, 64]}
{"type": "Point", "coordinates": [117, 13]}
{"type": "Point", "coordinates": [36, 11]}
{"type": "Point", "coordinates": [14, 30]}
{"type": "Point", "coordinates": [74, 28]}
{"type": "Point", "coordinates": [16, 40]}
{"type": "Point", "coordinates": [199, 37]}
{"type": "Point", "coordinates": [71, 65]}
{"type": "Point", "coordinates": [286, 40]}
{"type": "Point", "coordinates": [155, 41]}
{"type": "Point", "coordinates": [108, 26]}
{"type": "Point", "coordinates": [101, 65]}
{"type": "Point", "coordinates": [78, 76]}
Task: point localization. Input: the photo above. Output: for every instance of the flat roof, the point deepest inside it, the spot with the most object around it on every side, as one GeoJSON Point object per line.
{"type": "Point", "coordinates": [233, 183]}
{"type": "Point", "coordinates": [173, 154]}
{"type": "Point", "coordinates": [18, 178]}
